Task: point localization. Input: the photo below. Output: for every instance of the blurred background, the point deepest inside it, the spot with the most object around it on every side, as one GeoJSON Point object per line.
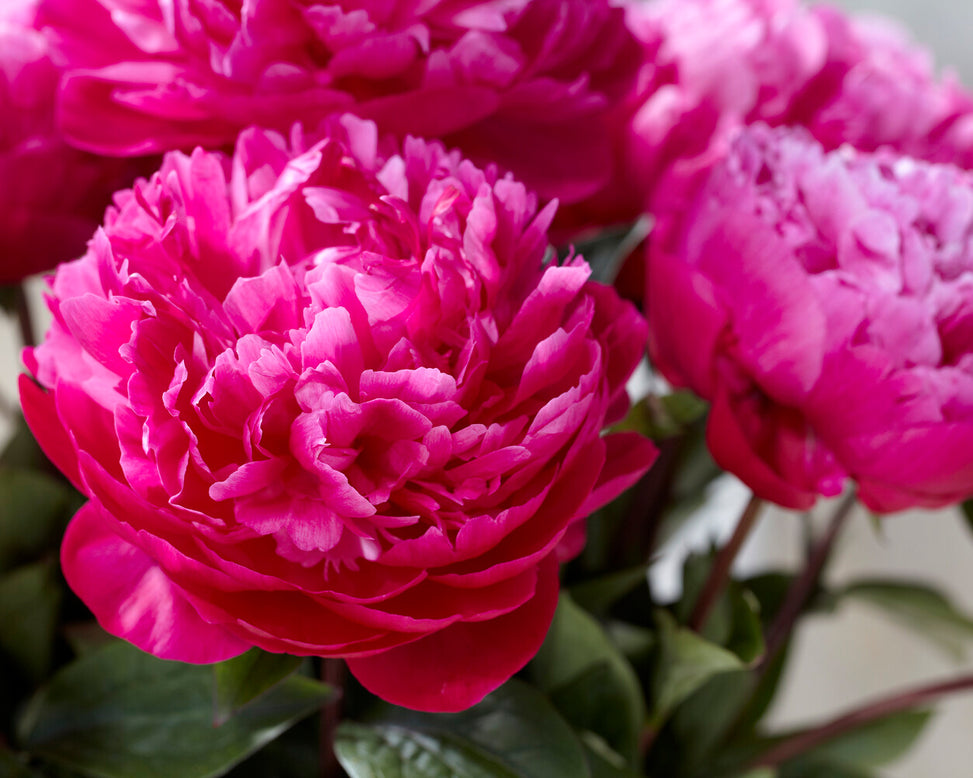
{"type": "Point", "coordinates": [842, 659]}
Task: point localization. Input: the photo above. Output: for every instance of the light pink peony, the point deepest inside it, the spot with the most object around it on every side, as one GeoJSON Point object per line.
{"type": "Point", "coordinates": [823, 301]}
{"type": "Point", "coordinates": [52, 197]}
{"type": "Point", "coordinates": [522, 83]}
{"type": "Point", "coordinates": [879, 89]}
{"type": "Point", "coordinates": [330, 400]}
{"type": "Point", "coordinates": [711, 66]}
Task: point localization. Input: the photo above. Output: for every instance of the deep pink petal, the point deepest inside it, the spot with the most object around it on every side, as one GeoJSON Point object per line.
{"type": "Point", "coordinates": [733, 451]}
{"type": "Point", "coordinates": [40, 412]}
{"type": "Point", "coordinates": [456, 667]}
{"type": "Point", "coordinates": [686, 319]}
{"type": "Point", "coordinates": [133, 599]}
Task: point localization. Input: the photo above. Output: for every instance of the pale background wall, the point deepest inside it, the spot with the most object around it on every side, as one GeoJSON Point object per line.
{"type": "Point", "coordinates": [842, 659]}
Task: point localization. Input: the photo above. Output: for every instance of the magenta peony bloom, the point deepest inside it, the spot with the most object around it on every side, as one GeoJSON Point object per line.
{"type": "Point", "coordinates": [822, 302]}
{"type": "Point", "coordinates": [329, 400]}
{"type": "Point", "coordinates": [52, 197]}
{"type": "Point", "coordinates": [522, 83]}
{"type": "Point", "coordinates": [711, 66]}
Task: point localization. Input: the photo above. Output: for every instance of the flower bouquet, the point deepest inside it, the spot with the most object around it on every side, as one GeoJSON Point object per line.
{"type": "Point", "coordinates": [385, 345]}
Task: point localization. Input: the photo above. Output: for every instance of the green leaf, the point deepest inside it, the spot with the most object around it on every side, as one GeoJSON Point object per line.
{"type": "Point", "coordinates": [746, 638]}
{"type": "Point", "coordinates": [603, 761]}
{"type": "Point", "coordinates": [394, 752]}
{"type": "Point", "coordinates": [695, 571]}
{"type": "Point", "coordinates": [927, 612]}
{"type": "Point", "coordinates": [856, 753]}
{"type": "Point", "coordinates": [634, 642]}
{"type": "Point", "coordinates": [589, 680]}
{"type": "Point", "coordinates": [30, 599]}
{"type": "Point", "coordinates": [34, 508]}
{"type": "Point", "coordinates": [607, 251]}
{"type": "Point", "coordinates": [802, 768]}
{"type": "Point", "coordinates": [694, 472]}
{"type": "Point", "coordinates": [244, 678]}
{"type": "Point", "coordinates": [684, 407]}
{"type": "Point", "coordinates": [513, 733]}
{"type": "Point", "coordinates": [686, 662]}
{"type": "Point", "coordinates": [760, 772]}
{"type": "Point", "coordinates": [758, 698]}
{"type": "Point", "coordinates": [594, 702]}
{"type": "Point", "coordinates": [734, 620]}
{"type": "Point", "coordinates": [597, 595]}
{"type": "Point", "coordinates": [771, 589]}
{"type": "Point", "coordinates": [118, 712]}
{"type": "Point", "coordinates": [663, 416]}
{"type": "Point", "coordinates": [86, 636]}
{"type": "Point", "coordinates": [874, 744]}
{"type": "Point", "coordinates": [702, 720]}
{"type": "Point", "coordinates": [12, 767]}
{"type": "Point", "coordinates": [22, 451]}
{"type": "Point", "coordinates": [295, 754]}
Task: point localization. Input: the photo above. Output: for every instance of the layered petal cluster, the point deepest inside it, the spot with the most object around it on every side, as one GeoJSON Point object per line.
{"type": "Point", "coordinates": [52, 197]}
{"type": "Point", "coordinates": [823, 301]}
{"type": "Point", "coordinates": [332, 400]}
{"type": "Point", "coordinates": [710, 66]}
{"type": "Point", "coordinates": [522, 83]}
{"type": "Point", "coordinates": [879, 89]}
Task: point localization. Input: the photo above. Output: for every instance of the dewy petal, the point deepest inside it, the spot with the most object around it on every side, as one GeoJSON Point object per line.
{"type": "Point", "coordinates": [133, 599]}
{"type": "Point", "coordinates": [458, 666]}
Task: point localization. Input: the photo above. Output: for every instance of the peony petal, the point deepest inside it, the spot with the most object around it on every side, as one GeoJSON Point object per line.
{"type": "Point", "coordinates": [458, 666]}
{"type": "Point", "coordinates": [733, 451]}
{"type": "Point", "coordinates": [40, 412]}
{"type": "Point", "coordinates": [686, 320]}
{"type": "Point", "coordinates": [628, 457]}
{"type": "Point", "coordinates": [133, 599]}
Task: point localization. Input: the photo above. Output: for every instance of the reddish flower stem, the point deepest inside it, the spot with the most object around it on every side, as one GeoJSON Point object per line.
{"type": "Point", "coordinates": [23, 317]}
{"type": "Point", "coordinates": [805, 741]}
{"type": "Point", "coordinates": [635, 540]}
{"type": "Point", "coordinates": [802, 588]}
{"type": "Point", "coordinates": [720, 572]}
{"type": "Point", "coordinates": [333, 674]}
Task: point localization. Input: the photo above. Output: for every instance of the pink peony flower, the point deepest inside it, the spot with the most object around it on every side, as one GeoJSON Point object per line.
{"type": "Point", "coordinates": [711, 66]}
{"type": "Point", "coordinates": [331, 400]}
{"type": "Point", "coordinates": [878, 89]}
{"type": "Point", "coordinates": [523, 83]}
{"type": "Point", "coordinates": [52, 197]}
{"type": "Point", "coordinates": [822, 302]}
